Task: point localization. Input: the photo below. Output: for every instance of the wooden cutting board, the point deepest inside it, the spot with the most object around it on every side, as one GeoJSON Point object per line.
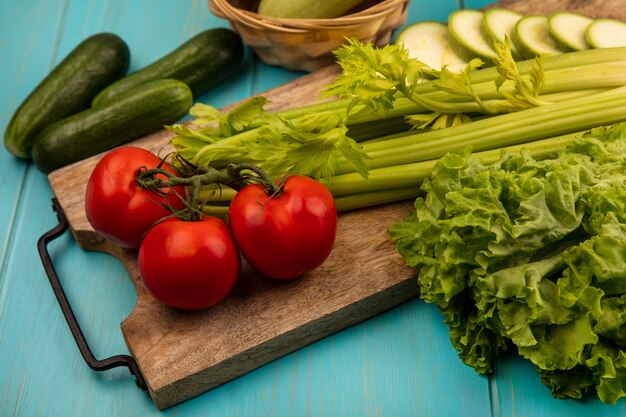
{"type": "Point", "coordinates": [182, 354]}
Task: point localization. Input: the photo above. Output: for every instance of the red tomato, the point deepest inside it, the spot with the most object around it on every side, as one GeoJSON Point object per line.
{"type": "Point", "coordinates": [283, 237]}
{"type": "Point", "coordinates": [119, 209]}
{"type": "Point", "coordinates": [189, 264]}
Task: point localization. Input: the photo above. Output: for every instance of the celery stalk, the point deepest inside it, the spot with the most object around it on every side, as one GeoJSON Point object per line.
{"type": "Point", "coordinates": [412, 174]}
{"type": "Point", "coordinates": [560, 85]}
{"type": "Point", "coordinates": [374, 198]}
{"type": "Point", "coordinates": [392, 184]}
{"type": "Point", "coordinates": [498, 131]}
{"type": "Point", "coordinates": [564, 61]}
{"type": "Point", "coordinates": [539, 105]}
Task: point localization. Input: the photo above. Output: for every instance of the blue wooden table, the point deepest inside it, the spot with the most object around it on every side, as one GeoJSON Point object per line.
{"type": "Point", "coordinates": [400, 363]}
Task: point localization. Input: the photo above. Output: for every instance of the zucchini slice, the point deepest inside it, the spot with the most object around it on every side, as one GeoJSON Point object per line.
{"type": "Point", "coordinates": [465, 27]}
{"type": "Point", "coordinates": [499, 24]}
{"type": "Point", "coordinates": [430, 43]}
{"type": "Point", "coordinates": [606, 33]}
{"type": "Point", "coordinates": [569, 28]}
{"type": "Point", "coordinates": [532, 36]}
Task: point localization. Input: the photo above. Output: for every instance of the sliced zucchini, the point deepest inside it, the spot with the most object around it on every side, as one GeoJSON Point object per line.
{"type": "Point", "coordinates": [465, 27]}
{"type": "Point", "coordinates": [568, 28]}
{"type": "Point", "coordinates": [532, 37]}
{"type": "Point", "coordinates": [429, 42]}
{"type": "Point", "coordinates": [499, 24]}
{"type": "Point", "coordinates": [606, 33]}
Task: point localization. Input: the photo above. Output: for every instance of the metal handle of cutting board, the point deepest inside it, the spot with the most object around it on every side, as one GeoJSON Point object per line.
{"type": "Point", "coordinates": [92, 362]}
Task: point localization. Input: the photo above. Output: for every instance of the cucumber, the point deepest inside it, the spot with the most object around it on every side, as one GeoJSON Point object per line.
{"type": "Point", "coordinates": [606, 33]}
{"type": "Point", "coordinates": [569, 29]}
{"type": "Point", "coordinates": [69, 88]}
{"type": "Point", "coordinates": [429, 42]}
{"type": "Point", "coordinates": [201, 63]}
{"type": "Point", "coordinates": [133, 114]}
{"type": "Point", "coordinates": [532, 37]}
{"type": "Point", "coordinates": [465, 27]}
{"type": "Point", "coordinates": [499, 24]}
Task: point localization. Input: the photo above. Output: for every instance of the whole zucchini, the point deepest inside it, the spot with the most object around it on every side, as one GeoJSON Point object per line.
{"type": "Point", "coordinates": [306, 9]}
{"type": "Point", "coordinates": [68, 89]}
{"type": "Point", "coordinates": [201, 62]}
{"type": "Point", "coordinates": [131, 115]}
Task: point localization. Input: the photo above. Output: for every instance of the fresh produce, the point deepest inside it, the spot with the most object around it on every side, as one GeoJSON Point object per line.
{"type": "Point", "coordinates": [606, 33]}
{"type": "Point", "coordinates": [201, 63]}
{"type": "Point", "coordinates": [68, 89]}
{"type": "Point", "coordinates": [430, 43]}
{"type": "Point", "coordinates": [475, 34]}
{"type": "Point", "coordinates": [528, 255]}
{"type": "Point", "coordinates": [466, 28]}
{"type": "Point", "coordinates": [283, 229]}
{"type": "Point", "coordinates": [569, 28]}
{"type": "Point", "coordinates": [287, 230]}
{"type": "Point", "coordinates": [117, 207]}
{"type": "Point", "coordinates": [498, 24]}
{"type": "Point", "coordinates": [519, 102]}
{"type": "Point", "coordinates": [189, 265]}
{"type": "Point", "coordinates": [532, 37]}
{"type": "Point", "coordinates": [135, 113]}
{"type": "Point", "coordinates": [306, 9]}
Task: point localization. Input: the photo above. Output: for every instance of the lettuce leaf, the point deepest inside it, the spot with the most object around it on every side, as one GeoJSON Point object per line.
{"type": "Point", "coordinates": [530, 254]}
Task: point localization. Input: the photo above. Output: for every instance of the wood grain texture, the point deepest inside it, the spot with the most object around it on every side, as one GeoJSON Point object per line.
{"type": "Point", "coordinates": [592, 8]}
{"type": "Point", "coordinates": [183, 354]}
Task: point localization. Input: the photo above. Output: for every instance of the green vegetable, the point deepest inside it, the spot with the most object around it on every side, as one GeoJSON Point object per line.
{"type": "Point", "coordinates": [130, 115]}
{"type": "Point", "coordinates": [474, 34]}
{"type": "Point", "coordinates": [569, 29]}
{"type": "Point", "coordinates": [498, 24]}
{"type": "Point", "coordinates": [465, 25]}
{"type": "Point", "coordinates": [530, 253]}
{"type": "Point", "coordinates": [532, 37]}
{"type": "Point", "coordinates": [606, 33]}
{"type": "Point", "coordinates": [306, 9]}
{"type": "Point", "coordinates": [430, 43]}
{"type": "Point", "coordinates": [488, 109]}
{"type": "Point", "coordinates": [201, 63]}
{"type": "Point", "coordinates": [67, 89]}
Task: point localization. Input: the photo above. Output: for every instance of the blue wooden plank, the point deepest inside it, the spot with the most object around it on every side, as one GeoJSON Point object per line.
{"type": "Point", "coordinates": [27, 56]}
{"type": "Point", "coordinates": [476, 4]}
{"type": "Point", "coordinates": [518, 390]}
{"type": "Point", "coordinates": [434, 10]}
{"type": "Point", "coordinates": [399, 363]}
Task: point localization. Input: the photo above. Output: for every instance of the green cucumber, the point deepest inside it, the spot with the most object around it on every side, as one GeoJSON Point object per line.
{"type": "Point", "coordinates": [606, 33]}
{"type": "Point", "coordinates": [131, 115]}
{"type": "Point", "coordinates": [568, 28]}
{"type": "Point", "coordinates": [201, 63]}
{"type": "Point", "coordinates": [69, 88]}
{"type": "Point", "coordinates": [429, 42]}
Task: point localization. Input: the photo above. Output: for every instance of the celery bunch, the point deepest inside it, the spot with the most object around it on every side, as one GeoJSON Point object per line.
{"type": "Point", "coordinates": [381, 136]}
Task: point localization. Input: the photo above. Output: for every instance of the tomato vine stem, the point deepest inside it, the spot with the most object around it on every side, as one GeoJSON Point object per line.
{"type": "Point", "coordinates": [236, 176]}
